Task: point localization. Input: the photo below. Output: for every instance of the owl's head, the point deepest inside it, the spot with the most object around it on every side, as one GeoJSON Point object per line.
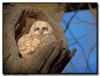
{"type": "Point", "coordinates": [41, 28]}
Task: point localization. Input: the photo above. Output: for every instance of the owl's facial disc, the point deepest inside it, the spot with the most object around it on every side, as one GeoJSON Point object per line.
{"type": "Point", "coordinates": [41, 28]}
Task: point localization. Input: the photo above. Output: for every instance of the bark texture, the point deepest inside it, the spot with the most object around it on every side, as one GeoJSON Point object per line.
{"type": "Point", "coordinates": [51, 59]}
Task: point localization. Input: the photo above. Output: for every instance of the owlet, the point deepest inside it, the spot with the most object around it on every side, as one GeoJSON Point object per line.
{"type": "Point", "coordinates": [40, 35]}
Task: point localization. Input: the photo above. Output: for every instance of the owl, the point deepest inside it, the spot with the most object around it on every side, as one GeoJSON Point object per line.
{"type": "Point", "coordinates": [40, 35]}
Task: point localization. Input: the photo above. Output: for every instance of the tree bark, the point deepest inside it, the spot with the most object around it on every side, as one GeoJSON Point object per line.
{"type": "Point", "coordinates": [51, 59]}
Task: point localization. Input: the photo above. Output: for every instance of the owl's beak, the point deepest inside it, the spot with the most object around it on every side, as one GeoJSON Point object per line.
{"type": "Point", "coordinates": [40, 32]}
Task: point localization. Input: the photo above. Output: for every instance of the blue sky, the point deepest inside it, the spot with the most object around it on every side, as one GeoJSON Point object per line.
{"type": "Point", "coordinates": [81, 35]}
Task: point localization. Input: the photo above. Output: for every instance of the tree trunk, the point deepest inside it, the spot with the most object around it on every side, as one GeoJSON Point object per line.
{"type": "Point", "coordinates": [51, 59]}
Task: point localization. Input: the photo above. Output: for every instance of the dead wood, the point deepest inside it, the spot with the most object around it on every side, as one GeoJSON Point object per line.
{"type": "Point", "coordinates": [51, 59]}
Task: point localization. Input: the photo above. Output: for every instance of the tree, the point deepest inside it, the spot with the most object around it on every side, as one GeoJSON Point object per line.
{"type": "Point", "coordinates": [51, 59]}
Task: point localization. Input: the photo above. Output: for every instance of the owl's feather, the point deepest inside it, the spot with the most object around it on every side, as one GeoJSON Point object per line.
{"type": "Point", "coordinates": [28, 43]}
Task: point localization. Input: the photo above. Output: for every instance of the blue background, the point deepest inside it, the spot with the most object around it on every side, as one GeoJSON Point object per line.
{"type": "Point", "coordinates": [82, 35]}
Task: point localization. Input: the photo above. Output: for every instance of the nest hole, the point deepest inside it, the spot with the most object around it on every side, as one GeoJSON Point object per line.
{"type": "Point", "coordinates": [24, 23]}
{"type": "Point", "coordinates": [20, 56]}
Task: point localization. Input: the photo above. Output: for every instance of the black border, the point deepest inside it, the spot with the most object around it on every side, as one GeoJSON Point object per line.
{"type": "Point", "coordinates": [97, 28]}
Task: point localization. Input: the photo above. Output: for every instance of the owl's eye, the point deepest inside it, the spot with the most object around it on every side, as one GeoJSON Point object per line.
{"type": "Point", "coordinates": [44, 28]}
{"type": "Point", "coordinates": [36, 29]}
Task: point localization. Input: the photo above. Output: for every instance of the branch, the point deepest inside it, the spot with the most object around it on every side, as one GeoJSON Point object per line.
{"type": "Point", "coordinates": [86, 21]}
{"type": "Point", "coordinates": [82, 49]}
{"type": "Point", "coordinates": [75, 12]}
